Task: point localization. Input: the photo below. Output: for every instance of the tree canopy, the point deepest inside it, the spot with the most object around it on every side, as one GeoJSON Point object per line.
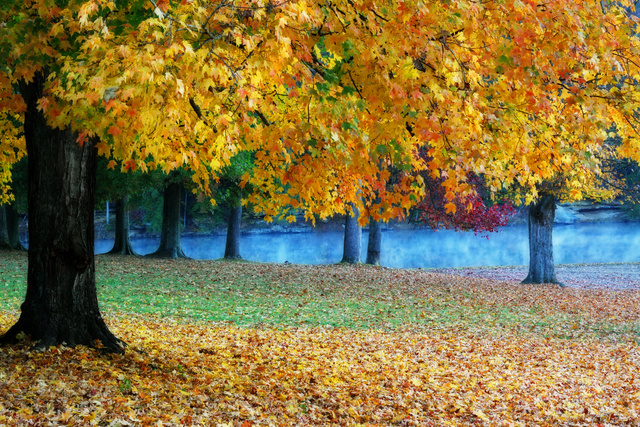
{"type": "Point", "coordinates": [329, 94]}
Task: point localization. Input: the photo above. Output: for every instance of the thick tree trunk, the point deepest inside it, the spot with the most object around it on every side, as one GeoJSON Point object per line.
{"type": "Point", "coordinates": [61, 305]}
{"type": "Point", "coordinates": [170, 246]}
{"type": "Point", "coordinates": [232, 248]}
{"type": "Point", "coordinates": [375, 242]}
{"type": "Point", "coordinates": [13, 229]}
{"type": "Point", "coordinates": [541, 216]}
{"type": "Point", "coordinates": [5, 244]}
{"type": "Point", "coordinates": [122, 243]}
{"type": "Point", "coordinates": [352, 238]}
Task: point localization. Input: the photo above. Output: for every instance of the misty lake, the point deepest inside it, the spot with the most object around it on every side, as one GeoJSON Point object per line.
{"type": "Point", "coordinates": [574, 243]}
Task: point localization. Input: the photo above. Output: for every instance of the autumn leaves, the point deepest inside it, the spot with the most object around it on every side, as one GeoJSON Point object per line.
{"type": "Point", "coordinates": [332, 97]}
{"type": "Point", "coordinates": [406, 347]}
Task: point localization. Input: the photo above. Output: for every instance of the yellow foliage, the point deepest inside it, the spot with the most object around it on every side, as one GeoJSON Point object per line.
{"type": "Point", "coordinates": [329, 98]}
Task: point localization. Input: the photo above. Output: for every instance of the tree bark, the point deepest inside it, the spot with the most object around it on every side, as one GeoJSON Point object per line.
{"type": "Point", "coordinates": [5, 244]}
{"type": "Point", "coordinates": [13, 229]}
{"type": "Point", "coordinates": [352, 238]}
{"type": "Point", "coordinates": [375, 242]}
{"type": "Point", "coordinates": [170, 246]}
{"type": "Point", "coordinates": [61, 305]}
{"type": "Point", "coordinates": [122, 243]}
{"type": "Point", "coordinates": [541, 216]}
{"type": "Point", "coordinates": [232, 248]}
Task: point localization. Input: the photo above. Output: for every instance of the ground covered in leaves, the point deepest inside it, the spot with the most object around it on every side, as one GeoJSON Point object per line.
{"type": "Point", "coordinates": [616, 277]}
{"type": "Point", "coordinates": [248, 344]}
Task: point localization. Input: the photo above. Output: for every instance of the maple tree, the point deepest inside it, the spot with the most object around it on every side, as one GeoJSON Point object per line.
{"type": "Point", "coordinates": [122, 241]}
{"type": "Point", "coordinates": [540, 226]}
{"type": "Point", "coordinates": [326, 95]}
{"type": "Point", "coordinates": [374, 242]}
{"type": "Point", "coordinates": [112, 185]}
{"type": "Point", "coordinates": [170, 246]}
{"type": "Point", "coordinates": [352, 245]}
{"type": "Point", "coordinates": [524, 103]}
{"type": "Point", "coordinates": [230, 193]}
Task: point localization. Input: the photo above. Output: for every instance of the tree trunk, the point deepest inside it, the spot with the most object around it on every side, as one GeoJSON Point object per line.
{"type": "Point", "coordinates": [352, 238]}
{"type": "Point", "coordinates": [5, 244]}
{"type": "Point", "coordinates": [61, 305]}
{"type": "Point", "coordinates": [541, 216]}
{"type": "Point", "coordinates": [122, 243]}
{"type": "Point", "coordinates": [170, 246]}
{"type": "Point", "coordinates": [375, 242]}
{"type": "Point", "coordinates": [13, 229]}
{"type": "Point", "coordinates": [232, 248]}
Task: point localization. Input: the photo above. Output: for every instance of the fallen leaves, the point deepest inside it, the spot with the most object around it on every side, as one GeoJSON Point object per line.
{"type": "Point", "coordinates": [176, 373]}
{"type": "Point", "coordinates": [435, 349]}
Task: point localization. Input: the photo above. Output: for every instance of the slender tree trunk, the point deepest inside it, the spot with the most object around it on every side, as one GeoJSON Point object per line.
{"type": "Point", "coordinates": [232, 248]}
{"type": "Point", "coordinates": [541, 216]}
{"type": "Point", "coordinates": [61, 305]}
{"type": "Point", "coordinates": [122, 243]}
{"type": "Point", "coordinates": [352, 238]}
{"type": "Point", "coordinates": [375, 242]}
{"type": "Point", "coordinates": [13, 229]}
{"type": "Point", "coordinates": [5, 244]}
{"type": "Point", "coordinates": [170, 246]}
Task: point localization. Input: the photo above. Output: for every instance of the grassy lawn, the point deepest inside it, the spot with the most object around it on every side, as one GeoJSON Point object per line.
{"type": "Point", "coordinates": [242, 344]}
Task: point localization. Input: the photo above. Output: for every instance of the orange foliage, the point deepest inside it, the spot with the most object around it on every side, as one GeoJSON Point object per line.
{"type": "Point", "coordinates": [181, 374]}
{"type": "Point", "coordinates": [329, 97]}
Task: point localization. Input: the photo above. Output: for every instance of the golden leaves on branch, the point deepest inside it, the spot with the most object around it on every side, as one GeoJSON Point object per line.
{"type": "Point", "coordinates": [329, 98]}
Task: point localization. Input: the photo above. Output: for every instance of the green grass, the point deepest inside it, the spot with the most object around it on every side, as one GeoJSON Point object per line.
{"type": "Point", "coordinates": [250, 302]}
{"type": "Point", "coordinates": [13, 278]}
{"type": "Point", "coordinates": [357, 297]}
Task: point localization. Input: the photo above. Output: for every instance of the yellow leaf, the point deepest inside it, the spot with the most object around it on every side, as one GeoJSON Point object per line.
{"type": "Point", "coordinates": [478, 413]}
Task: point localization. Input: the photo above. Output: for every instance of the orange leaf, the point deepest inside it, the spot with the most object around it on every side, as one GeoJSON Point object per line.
{"type": "Point", "coordinates": [450, 207]}
{"type": "Point", "coordinates": [163, 5]}
{"type": "Point", "coordinates": [109, 104]}
{"type": "Point", "coordinates": [130, 165]}
{"type": "Point", "coordinates": [103, 148]}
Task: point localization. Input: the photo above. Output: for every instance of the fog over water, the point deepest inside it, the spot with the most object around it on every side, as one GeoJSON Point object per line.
{"type": "Point", "coordinates": [575, 243]}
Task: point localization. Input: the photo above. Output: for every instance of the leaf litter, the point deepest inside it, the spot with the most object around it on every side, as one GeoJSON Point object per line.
{"type": "Point", "coordinates": [485, 352]}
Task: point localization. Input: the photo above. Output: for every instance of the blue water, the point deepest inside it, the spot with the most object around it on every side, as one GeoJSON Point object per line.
{"type": "Point", "coordinates": [576, 243]}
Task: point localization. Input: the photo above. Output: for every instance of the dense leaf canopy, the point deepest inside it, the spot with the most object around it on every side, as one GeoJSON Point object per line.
{"type": "Point", "coordinates": [329, 95]}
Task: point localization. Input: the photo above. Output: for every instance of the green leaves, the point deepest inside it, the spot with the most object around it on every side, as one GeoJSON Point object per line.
{"type": "Point", "coordinates": [322, 87]}
{"type": "Point", "coordinates": [348, 90]}
{"type": "Point", "coordinates": [347, 49]}
{"type": "Point", "coordinates": [332, 76]}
